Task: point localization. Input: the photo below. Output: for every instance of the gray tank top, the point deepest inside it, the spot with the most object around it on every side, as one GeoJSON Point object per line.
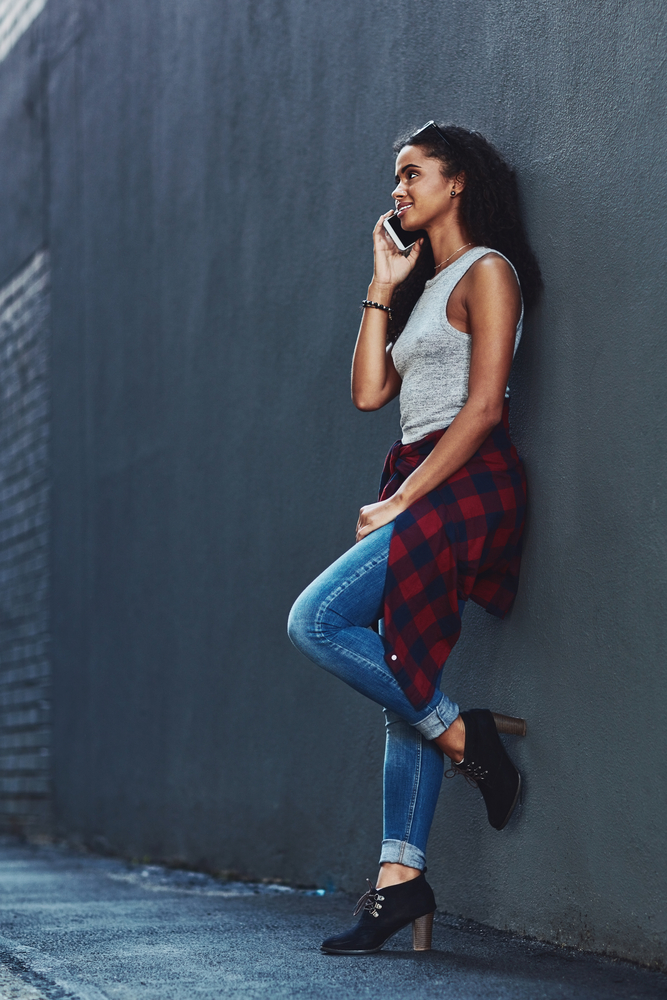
{"type": "Point", "coordinates": [433, 357]}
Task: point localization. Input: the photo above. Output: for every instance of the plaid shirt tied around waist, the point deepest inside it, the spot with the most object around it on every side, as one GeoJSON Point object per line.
{"type": "Point", "coordinates": [461, 540]}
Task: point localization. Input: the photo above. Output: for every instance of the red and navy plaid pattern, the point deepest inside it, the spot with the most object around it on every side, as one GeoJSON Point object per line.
{"type": "Point", "coordinates": [462, 540]}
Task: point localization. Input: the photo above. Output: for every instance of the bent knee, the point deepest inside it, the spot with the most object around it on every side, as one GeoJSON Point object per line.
{"type": "Point", "coordinates": [301, 623]}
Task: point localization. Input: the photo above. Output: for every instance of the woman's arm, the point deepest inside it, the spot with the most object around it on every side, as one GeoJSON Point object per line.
{"type": "Point", "coordinates": [375, 381]}
{"type": "Point", "coordinates": [493, 304]}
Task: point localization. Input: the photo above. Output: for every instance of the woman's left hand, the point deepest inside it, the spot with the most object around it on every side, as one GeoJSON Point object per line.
{"type": "Point", "coordinates": [374, 515]}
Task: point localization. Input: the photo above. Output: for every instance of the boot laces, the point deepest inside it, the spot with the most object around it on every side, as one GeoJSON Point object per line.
{"type": "Point", "coordinates": [471, 771]}
{"type": "Point", "coordinates": [370, 901]}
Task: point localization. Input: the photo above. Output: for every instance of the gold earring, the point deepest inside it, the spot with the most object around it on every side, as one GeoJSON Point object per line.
{"type": "Point", "coordinates": [453, 193]}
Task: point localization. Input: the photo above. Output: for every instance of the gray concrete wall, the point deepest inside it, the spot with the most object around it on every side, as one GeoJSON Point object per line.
{"type": "Point", "coordinates": [214, 172]}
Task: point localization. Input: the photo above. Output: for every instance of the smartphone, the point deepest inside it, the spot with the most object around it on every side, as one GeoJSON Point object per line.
{"type": "Point", "coordinates": [401, 237]}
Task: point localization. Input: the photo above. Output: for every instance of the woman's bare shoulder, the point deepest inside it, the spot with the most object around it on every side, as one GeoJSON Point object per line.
{"type": "Point", "coordinates": [492, 284]}
{"type": "Point", "coordinates": [492, 279]}
{"type": "Point", "coordinates": [492, 270]}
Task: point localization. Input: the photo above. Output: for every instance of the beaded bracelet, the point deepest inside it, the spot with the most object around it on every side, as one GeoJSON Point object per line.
{"type": "Point", "coordinates": [376, 305]}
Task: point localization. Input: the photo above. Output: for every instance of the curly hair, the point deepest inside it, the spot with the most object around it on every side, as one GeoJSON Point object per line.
{"type": "Point", "coordinates": [489, 207]}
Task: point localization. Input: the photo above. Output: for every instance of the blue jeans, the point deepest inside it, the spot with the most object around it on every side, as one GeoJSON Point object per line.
{"type": "Point", "coordinates": [329, 623]}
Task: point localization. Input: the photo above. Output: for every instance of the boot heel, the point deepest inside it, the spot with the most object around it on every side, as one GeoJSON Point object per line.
{"type": "Point", "coordinates": [509, 724]}
{"type": "Point", "coordinates": [422, 930]}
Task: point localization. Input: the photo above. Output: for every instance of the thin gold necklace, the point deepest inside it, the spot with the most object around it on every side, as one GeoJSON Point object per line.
{"type": "Point", "coordinates": [453, 254]}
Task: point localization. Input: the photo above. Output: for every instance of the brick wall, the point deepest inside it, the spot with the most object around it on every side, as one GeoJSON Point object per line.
{"type": "Point", "coordinates": [24, 551]}
{"type": "Point", "coordinates": [15, 17]}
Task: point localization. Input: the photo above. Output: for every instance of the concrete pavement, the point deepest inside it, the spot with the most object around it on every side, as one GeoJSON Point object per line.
{"type": "Point", "coordinates": [79, 927]}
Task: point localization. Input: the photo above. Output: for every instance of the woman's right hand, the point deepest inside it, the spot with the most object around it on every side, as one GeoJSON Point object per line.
{"type": "Point", "coordinates": [391, 267]}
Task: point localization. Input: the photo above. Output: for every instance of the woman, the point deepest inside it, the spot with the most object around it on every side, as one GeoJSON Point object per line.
{"type": "Point", "coordinates": [440, 327]}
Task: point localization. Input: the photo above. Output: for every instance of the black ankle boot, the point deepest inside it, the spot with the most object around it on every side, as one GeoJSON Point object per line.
{"type": "Point", "coordinates": [383, 913]}
{"type": "Point", "coordinates": [486, 764]}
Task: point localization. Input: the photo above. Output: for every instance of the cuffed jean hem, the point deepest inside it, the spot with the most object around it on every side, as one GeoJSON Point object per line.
{"type": "Point", "coordinates": [399, 852]}
{"type": "Point", "coordinates": [439, 720]}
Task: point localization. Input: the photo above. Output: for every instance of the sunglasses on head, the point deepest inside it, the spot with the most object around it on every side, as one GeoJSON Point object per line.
{"type": "Point", "coordinates": [433, 127]}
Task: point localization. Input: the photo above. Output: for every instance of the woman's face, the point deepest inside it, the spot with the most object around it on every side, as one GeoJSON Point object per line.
{"type": "Point", "coordinates": [422, 194]}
